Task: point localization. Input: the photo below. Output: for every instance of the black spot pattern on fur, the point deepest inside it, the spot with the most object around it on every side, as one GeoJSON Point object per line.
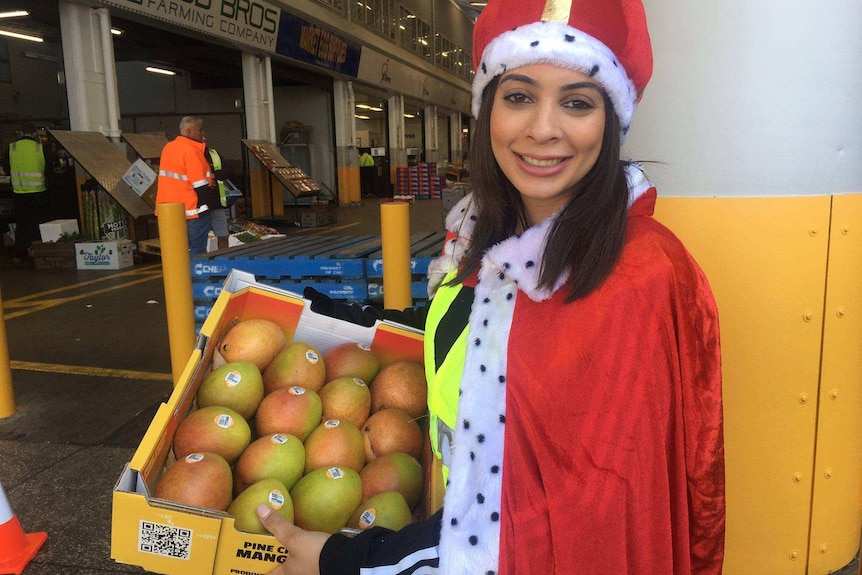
{"type": "Point", "coordinates": [454, 522]}
{"type": "Point", "coordinates": [486, 300]}
{"type": "Point", "coordinates": [507, 265]}
{"type": "Point", "coordinates": [466, 424]}
{"type": "Point", "coordinates": [530, 264]}
{"type": "Point", "coordinates": [485, 323]}
{"type": "Point", "coordinates": [477, 341]}
{"type": "Point", "coordinates": [484, 68]}
{"type": "Point", "coordinates": [509, 296]}
{"type": "Point", "coordinates": [534, 43]}
{"type": "Point", "coordinates": [474, 218]}
{"type": "Point", "coordinates": [502, 276]}
{"type": "Point", "coordinates": [474, 540]}
{"type": "Point", "coordinates": [495, 469]}
{"type": "Point", "coordinates": [502, 419]}
{"type": "Point", "coordinates": [502, 379]}
{"type": "Point", "coordinates": [480, 438]}
{"type": "Point", "coordinates": [480, 498]}
{"type": "Point", "coordinates": [569, 38]}
{"type": "Point", "coordinates": [482, 368]}
{"type": "Point", "coordinates": [495, 516]}
{"type": "Point", "coordinates": [594, 70]}
{"type": "Point", "coordinates": [472, 456]}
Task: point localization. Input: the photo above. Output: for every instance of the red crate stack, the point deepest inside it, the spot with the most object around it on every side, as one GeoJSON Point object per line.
{"type": "Point", "coordinates": [420, 181]}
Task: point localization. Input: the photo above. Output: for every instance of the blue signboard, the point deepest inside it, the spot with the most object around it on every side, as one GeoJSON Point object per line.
{"type": "Point", "coordinates": [301, 40]}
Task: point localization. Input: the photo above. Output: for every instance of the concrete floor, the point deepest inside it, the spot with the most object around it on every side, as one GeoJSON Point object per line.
{"type": "Point", "coordinates": [90, 365]}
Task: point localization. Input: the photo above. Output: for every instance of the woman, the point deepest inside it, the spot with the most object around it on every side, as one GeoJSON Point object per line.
{"type": "Point", "coordinates": [582, 400]}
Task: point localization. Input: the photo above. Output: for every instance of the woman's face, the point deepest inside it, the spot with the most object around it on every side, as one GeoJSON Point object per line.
{"type": "Point", "coordinates": [547, 125]}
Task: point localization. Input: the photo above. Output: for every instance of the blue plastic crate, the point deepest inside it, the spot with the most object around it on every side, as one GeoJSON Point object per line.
{"type": "Point", "coordinates": [418, 290]}
{"type": "Point", "coordinates": [295, 257]}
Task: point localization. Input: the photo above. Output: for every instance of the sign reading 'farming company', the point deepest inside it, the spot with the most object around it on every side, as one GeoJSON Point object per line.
{"type": "Point", "coordinates": [250, 22]}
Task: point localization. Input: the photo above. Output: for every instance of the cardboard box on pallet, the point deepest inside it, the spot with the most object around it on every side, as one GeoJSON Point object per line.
{"type": "Point", "coordinates": [165, 537]}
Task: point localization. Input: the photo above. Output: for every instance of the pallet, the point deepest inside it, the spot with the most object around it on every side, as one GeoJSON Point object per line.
{"type": "Point", "coordinates": [342, 267]}
{"type": "Point", "coordinates": [424, 247]}
{"type": "Point", "coordinates": [152, 247]}
{"type": "Point", "coordinates": [296, 257]}
{"type": "Point", "coordinates": [347, 289]}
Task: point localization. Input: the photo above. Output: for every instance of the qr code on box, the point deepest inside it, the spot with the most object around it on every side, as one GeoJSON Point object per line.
{"type": "Point", "coordinates": [164, 540]}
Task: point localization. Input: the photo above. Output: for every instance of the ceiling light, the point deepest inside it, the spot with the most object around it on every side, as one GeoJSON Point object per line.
{"type": "Point", "coordinates": [20, 36]}
{"type": "Point", "coordinates": [361, 117]}
{"type": "Point", "coordinates": [478, 4]}
{"type": "Point", "coordinates": [116, 31]}
{"type": "Point", "coordinates": [363, 106]}
{"type": "Point", "coordinates": [465, 130]}
{"type": "Point", "coordinates": [14, 14]}
{"type": "Point", "coordinates": [160, 71]}
{"type": "Point", "coordinates": [409, 116]}
{"type": "Point", "coordinates": [375, 109]}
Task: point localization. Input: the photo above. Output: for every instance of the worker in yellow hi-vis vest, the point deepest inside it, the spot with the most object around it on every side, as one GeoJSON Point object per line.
{"type": "Point", "coordinates": [219, 214]}
{"type": "Point", "coordinates": [25, 163]}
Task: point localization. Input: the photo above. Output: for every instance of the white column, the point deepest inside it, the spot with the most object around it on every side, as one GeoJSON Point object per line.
{"type": "Point", "coordinates": [397, 143]}
{"type": "Point", "coordinates": [455, 137]}
{"type": "Point", "coordinates": [91, 84]}
{"type": "Point", "coordinates": [345, 124]}
{"type": "Point", "coordinates": [432, 146]}
{"type": "Point", "coordinates": [257, 96]}
{"type": "Point", "coordinates": [270, 99]}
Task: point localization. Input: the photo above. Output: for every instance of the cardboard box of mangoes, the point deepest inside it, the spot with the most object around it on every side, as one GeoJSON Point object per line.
{"type": "Point", "coordinates": [304, 433]}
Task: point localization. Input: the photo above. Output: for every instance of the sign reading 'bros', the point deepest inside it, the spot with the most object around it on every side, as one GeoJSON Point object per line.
{"type": "Point", "coordinates": [250, 22]}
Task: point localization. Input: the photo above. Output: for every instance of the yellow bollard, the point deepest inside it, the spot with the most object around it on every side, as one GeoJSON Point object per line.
{"type": "Point", "coordinates": [395, 235]}
{"type": "Point", "coordinates": [176, 271]}
{"type": "Point", "coordinates": [7, 396]}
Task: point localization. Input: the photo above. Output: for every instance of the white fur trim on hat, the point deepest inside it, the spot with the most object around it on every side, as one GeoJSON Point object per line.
{"type": "Point", "coordinates": [559, 44]}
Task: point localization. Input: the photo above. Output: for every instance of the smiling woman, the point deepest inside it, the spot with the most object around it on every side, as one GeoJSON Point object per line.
{"type": "Point", "coordinates": [574, 379]}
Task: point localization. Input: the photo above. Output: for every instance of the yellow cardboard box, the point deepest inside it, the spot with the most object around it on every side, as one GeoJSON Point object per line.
{"type": "Point", "coordinates": [166, 537]}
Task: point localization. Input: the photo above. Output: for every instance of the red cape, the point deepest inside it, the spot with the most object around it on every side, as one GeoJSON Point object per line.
{"type": "Point", "coordinates": [613, 457]}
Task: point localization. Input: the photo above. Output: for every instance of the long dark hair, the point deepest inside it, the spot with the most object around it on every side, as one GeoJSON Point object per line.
{"type": "Point", "coordinates": [588, 235]}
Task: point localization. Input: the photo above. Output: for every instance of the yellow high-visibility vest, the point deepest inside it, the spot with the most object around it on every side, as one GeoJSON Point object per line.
{"type": "Point", "coordinates": [27, 166]}
{"type": "Point", "coordinates": [216, 159]}
{"type": "Point", "coordinates": [444, 373]}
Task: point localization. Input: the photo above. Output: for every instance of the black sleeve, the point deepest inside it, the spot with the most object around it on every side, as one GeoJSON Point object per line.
{"type": "Point", "coordinates": [410, 548]}
{"type": "Point", "coordinates": [363, 315]}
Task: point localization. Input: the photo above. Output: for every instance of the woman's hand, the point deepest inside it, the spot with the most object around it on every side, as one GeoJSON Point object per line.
{"type": "Point", "coordinates": [303, 547]}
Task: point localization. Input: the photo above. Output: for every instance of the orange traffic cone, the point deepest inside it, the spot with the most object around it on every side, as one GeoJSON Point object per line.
{"type": "Point", "coordinates": [16, 547]}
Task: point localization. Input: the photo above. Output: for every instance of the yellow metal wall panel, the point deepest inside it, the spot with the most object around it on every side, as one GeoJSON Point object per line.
{"type": "Point", "coordinates": [766, 262]}
{"type": "Point", "coordinates": [837, 504]}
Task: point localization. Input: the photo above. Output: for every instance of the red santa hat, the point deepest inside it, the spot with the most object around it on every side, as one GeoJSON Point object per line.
{"type": "Point", "coordinates": [607, 39]}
